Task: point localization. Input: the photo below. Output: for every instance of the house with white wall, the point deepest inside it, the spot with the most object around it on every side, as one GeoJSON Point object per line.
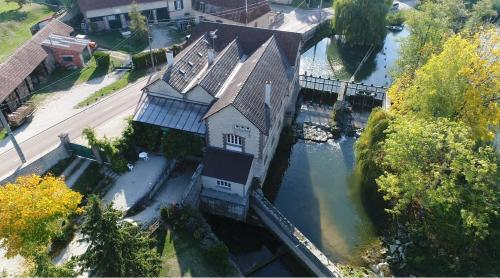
{"type": "Point", "coordinates": [114, 14]}
{"type": "Point", "coordinates": [234, 85]}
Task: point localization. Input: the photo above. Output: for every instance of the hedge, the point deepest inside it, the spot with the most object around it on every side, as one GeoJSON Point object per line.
{"type": "Point", "coordinates": [143, 60]}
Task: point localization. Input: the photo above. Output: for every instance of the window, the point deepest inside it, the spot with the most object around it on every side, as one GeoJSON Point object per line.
{"type": "Point", "coordinates": [224, 184]}
{"type": "Point", "coordinates": [67, 58]}
{"type": "Point", "coordinates": [179, 5]}
{"type": "Point", "coordinates": [202, 7]}
{"type": "Point", "coordinates": [232, 139]}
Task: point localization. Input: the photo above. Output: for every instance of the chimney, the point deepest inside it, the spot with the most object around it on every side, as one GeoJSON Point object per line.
{"type": "Point", "coordinates": [170, 58]}
{"type": "Point", "coordinates": [267, 96]}
{"type": "Point", "coordinates": [211, 56]}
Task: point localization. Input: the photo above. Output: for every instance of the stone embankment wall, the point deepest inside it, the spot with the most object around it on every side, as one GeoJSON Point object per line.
{"type": "Point", "coordinates": [191, 195]}
{"type": "Point", "coordinates": [39, 165]}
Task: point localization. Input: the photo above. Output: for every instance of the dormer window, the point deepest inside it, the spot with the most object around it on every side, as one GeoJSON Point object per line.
{"type": "Point", "coordinates": [191, 63]}
{"type": "Point", "coordinates": [199, 54]}
{"type": "Point", "coordinates": [183, 72]}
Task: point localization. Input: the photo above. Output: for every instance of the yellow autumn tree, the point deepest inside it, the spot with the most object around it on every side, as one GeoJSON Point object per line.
{"type": "Point", "coordinates": [31, 210]}
{"type": "Point", "coordinates": [461, 83]}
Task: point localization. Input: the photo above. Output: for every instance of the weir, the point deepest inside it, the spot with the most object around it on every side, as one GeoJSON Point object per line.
{"type": "Point", "coordinates": [300, 245]}
{"type": "Point", "coordinates": [344, 89]}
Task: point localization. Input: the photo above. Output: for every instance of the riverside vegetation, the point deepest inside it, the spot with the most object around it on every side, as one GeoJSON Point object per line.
{"type": "Point", "coordinates": [428, 163]}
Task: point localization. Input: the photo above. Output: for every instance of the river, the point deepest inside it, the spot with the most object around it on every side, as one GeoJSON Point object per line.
{"type": "Point", "coordinates": [318, 192]}
{"type": "Point", "coordinates": [313, 184]}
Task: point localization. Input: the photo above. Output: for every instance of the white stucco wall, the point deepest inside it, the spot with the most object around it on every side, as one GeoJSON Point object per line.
{"type": "Point", "coordinates": [180, 13]}
{"type": "Point", "coordinates": [198, 94]}
{"type": "Point", "coordinates": [126, 9]}
{"type": "Point", "coordinates": [224, 121]}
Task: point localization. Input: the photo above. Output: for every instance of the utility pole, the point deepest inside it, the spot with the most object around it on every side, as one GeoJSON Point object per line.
{"type": "Point", "coordinates": [320, 11]}
{"type": "Point", "coordinates": [12, 138]}
{"type": "Point", "coordinates": [246, 12]}
{"type": "Point", "coordinates": [149, 43]}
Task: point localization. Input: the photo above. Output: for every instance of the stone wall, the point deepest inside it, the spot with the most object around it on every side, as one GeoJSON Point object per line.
{"type": "Point", "coordinates": [39, 165]}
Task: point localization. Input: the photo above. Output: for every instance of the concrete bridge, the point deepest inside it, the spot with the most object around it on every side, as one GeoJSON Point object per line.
{"type": "Point", "coordinates": [305, 250]}
{"type": "Point", "coordinates": [344, 89]}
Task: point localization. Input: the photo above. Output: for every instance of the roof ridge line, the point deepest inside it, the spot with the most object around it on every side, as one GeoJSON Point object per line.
{"type": "Point", "coordinates": [265, 45]}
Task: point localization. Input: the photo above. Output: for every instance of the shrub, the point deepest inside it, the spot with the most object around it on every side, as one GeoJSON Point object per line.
{"type": "Point", "coordinates": [102, 59]}
{"type": "Point", "coordinates": [143, 60]}
{"type": "Point", "coordinates": [178, 144]}
{"type": "Point", "coordinates": [395, 19]}
{"type": "Point", "coordinates": [146, 136]}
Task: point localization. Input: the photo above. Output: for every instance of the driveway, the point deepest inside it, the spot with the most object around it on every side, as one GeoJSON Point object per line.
{"type": "Point", "coordinates": [132, 186]}
{"type": "Point", "coordinates": [171, 193]}
{"type": "Point", "coordinates": [164, 36]}
{"type": "Point", "coordinates": [59, 106]}
{"type": "Point", "coordinates": [301, 20]}
{"type": "Point", "coordinates": [93, 116]}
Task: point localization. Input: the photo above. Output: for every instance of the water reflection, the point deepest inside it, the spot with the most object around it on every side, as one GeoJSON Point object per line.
{"type": "Point", "coordinates": [319, 194]}
{"type": "Point", "coordinates": [330, 58]}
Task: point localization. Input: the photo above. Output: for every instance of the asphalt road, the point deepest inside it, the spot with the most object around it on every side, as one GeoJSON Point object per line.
{"type": "Point", "coordinates": [93, 116]}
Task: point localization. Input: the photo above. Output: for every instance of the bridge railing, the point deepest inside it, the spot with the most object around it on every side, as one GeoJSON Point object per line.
{"type": "Point", "coordinates": [295, 235]}
{"type": "Point", "coordinates": [337, 86]}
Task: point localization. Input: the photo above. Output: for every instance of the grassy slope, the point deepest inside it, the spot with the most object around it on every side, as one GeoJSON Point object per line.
{"type": "Point", "coordinates": [182, 256]}
{"type": "Point", "coordinates": [15, 24]}
{"type": "Point", "coordinates": [65, 79]}
{"type": "Point", "coordinates": [121, 83]}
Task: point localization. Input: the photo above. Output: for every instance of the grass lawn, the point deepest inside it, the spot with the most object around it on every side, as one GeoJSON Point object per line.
{"type": "Point", "coordinates": [121, 83]}
{"type": "Point", "coordinates": [88, 182]}
{"type": "Point", "coordinates": [111, 39]}
{"type": "Point", "coordinates": [15, 24]}
{"type": "Point", "coordinates": [182, 256]}
{"type": "Point", "coordinates": [3, 134]}
{"type": "Point", "coordinates": [68, 78]}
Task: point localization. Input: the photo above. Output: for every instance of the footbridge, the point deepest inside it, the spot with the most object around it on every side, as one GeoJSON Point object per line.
{"type": "Point", "coordinates": [304, 249]}
{"type": "Point", "coordinates": [360, 93]}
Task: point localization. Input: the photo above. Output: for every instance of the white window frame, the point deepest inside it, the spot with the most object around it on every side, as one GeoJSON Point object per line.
{"type": "Point", "coordinates": [234, 140]}
{"type": "Point", "coordinates": [178, 5]}
{"type": "Point", "coordinates": [68, 56]}
{"type": "Point", "coordinates": [224, 184]}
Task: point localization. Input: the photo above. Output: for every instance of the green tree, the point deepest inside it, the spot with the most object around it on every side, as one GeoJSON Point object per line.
{"type": "Point", "coordinates": [116, 248]}
{"type": "Point", "coordinates": [68, 4]}
{"type": "Point", "coordinates": [138, 24]}
{"type": "Point", "coordinates": [44, 267]}
{"type": "Point", "coordinates": [484, 11]}
{"type": "Point", "coordinates": [429, 27]}
{"type": "Point", "coordinates": [360, 22]}
{"type": "Point", "coordinates": [445, 188]}
{"type": "Point", "coordinates": [20, 3]}
{"type": "Point", "coordinates": [179, 144]}
{"type": "Point", "coordinates": [461, 83]}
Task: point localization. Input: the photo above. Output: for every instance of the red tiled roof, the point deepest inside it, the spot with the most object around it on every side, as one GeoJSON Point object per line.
{"type": "Point", "coordinates": [27, 57]}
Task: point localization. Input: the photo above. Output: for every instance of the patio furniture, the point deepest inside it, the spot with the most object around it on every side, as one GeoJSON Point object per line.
{"type": "Point", "coordinates": [130, 166]}
{"type": "Point", "coordinates": [144, 156]}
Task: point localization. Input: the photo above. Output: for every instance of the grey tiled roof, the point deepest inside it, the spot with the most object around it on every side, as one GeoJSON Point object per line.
{"type": "Point", "coordinates": [188, 64]}
{"type": "Point", "coordinates": [227, 165]}
{"type": "Point", "coordinates": [221, 69]}
{"type": "Point", "coordinates": [246, 90]}
{"type": "Point", "coordinates": [250, 38]}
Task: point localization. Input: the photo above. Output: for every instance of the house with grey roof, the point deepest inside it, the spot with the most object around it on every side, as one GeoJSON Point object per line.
{"type": "Point", "coordinates": [235, 86]}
